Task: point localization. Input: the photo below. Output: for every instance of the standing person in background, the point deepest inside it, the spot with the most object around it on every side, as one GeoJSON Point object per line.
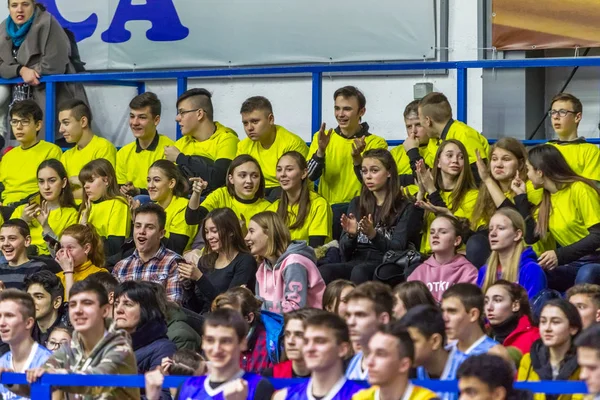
{"type": "Point", "coordinates": [206, 148]}
{"type": "Point", "coordinates": [266, 142]}
{"type": "Point", "coordinates": [134, 159]}
{"type": "Point", "coordinates": [586, 297]}
{"type": "Point", "coordinates": [75, 119]}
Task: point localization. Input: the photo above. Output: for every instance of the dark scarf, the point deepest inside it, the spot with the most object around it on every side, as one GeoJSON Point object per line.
{"type": "Point", "coordinates": [18, 33]}
{"type": "Point", "coordinates": [148, 333]}
{"type": "Point", "coordinates": [501, 331]}
{"type": "Point", "coordinates": [540, 362]}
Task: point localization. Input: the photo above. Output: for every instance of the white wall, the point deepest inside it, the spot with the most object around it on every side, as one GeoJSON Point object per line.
{"type": "Point", "coordinates": [291, 97]}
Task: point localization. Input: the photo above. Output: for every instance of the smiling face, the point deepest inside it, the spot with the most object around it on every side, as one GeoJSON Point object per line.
{"type": "Point", "coordinates": [147, 233]}
{"type": "Point", "coordinates": [212, 235]}
{"type": "Point", "coordinates": [70, 128]}
{"type": "Point", "coordinates": [187, 119]}
{"type": "Point", "coordinates": [289, 174]}
{"type": "Point", "coordinates": [221, 346]}
{"type": "Point", "coordinates": [374, 174]}
{"type": "Point", "coordinates": [20, 10]}
{"type": "Point", "coordinates": [554, 327]}
{"type": "Point", "coordinates": [503, 165]}
{"type": "Point", "coordinates": [452, 160]}
{"type": "Point", "coordinates": [348, 112]}
{"type": "Point", "coordinates": [127, 313]}
{"type": "Point", "coordinates": [257, 240]}
{"type": "Point", "coordinates": [50, 184]}
{"type": "Point", "coordinates": [142, 123]}
{"type": "Point", "coordinates": [14, 245]}
{"type": "Point", "coordinates": [85, 312]}
{"type": "Point", "coordinates": [14, 326]}
{"type": "Point", "coordinates": [502, 234]}
{"type": "Point", "coordinates": [160, 187]}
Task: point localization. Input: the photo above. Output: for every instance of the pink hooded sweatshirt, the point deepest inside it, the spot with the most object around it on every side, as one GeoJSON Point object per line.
{"type": "Point", "coordinates": [439, 277]}
{"type": "Point", "coordinates": [294, 281]}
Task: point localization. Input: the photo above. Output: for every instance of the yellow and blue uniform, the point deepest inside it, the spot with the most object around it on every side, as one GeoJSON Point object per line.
{"type": "Point", "coordinates": [133, 162]}
{"type": "Point", "coordinates": [75, 158]}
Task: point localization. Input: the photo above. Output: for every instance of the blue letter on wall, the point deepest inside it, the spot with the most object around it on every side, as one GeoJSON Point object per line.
{"type": "Point", "coordinates": [166, 25]}
{"type": "Point", "coordinates": [81, 30]}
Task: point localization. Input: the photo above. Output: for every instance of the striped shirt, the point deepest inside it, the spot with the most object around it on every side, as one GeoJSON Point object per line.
{"type": "Point", "coordinates": [161, 268]}
{"type": "Point", "coordinates": [13, 276]}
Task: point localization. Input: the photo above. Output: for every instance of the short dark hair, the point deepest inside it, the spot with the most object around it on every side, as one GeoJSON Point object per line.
{"type": "Point", "coordinates": [201, 98]}
{"type": "Point", "coordinates": [144, 295]}
{"type": "Point", "coordinates": [351, 91]}
{"type": "Point", "coordinates": [577, 106]}
{"type": "Point", "coordinates": [301, 315]}
{"type": "Point", "coordinates": [90, 286]}
{"type": "Point", "coordinates": [153, 208]}
{"type": "Point", "coordinates": [379, 293]}
{"type": "Point", "coordinates": [428, 320]}
{"type": "Point", "coordinates": [18, 223]}
{"type": "Point", "coordinates": [590, 338]}
{"type": "Point", "coordinates": [78, 108]}
{"type": "Point", "coordinates": [436, 106]}
{"type": "Point", "coordinates": [23, 299]}
{"type": "Point", "coordinates": [47, 280]}
{"type": "Point", "coordinates": [228, 318]}
{"type": "Point", "coordinates": [406, 346]}
{"type": "Point", "coordinates": [411, 108]}
{"type": "Point", "coordinates": [470, 296]}
{"type": "Point", "coordinates": [490, 369]}
{"type": "Point", "coordinates": [27, 109]}
{"type": "Point", "coordinates": [587, 289]}
{"type": "Point", "coordinates": [106, 279]}
{"type": "Point", "coordinates": [256, 103]}
{"type": "Point", "coordinates": [147, 99]}
{"type": "Point", "coordinates": [326, 319]}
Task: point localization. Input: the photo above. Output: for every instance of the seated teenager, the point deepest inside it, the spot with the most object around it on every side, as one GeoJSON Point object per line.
{"type": "Point", "coordinates": [307, 215]}
{"type": "Point", "coordinates": [60, 335]}
{"type": "Point", "coordinates": [266, 142]}
{"type": "Point", "coordinates": [19, 165]}
{"type": "Point", "coordinates": [47, 292]}
{"type": "Point", "coordinates": [287, 278]}
{"type": "Point", "coordinates": [586, 297]}
{"type": "Point", "coordinates": [448, 188]}
{"type": "Point", "coordinates": [224, 339]}
{"type": "Point", "coordinates": [553, 357]}
{"type": "Point", "coordinates": [103, 206]}
{"type": "Point", "coordinates": [81, 254]}
{"type": "Point", "coordinates": [75, 119]}
{"type": "Point", "coordinates": [508, 311]}
{"type": "Point", "coordinates": [326, 345]}
{"type": "Point", "coordinates": [152, 261]}
{"type": "Point", "coordinates": [511, 260]}
{"type": "Point", "coordinates": [584, 158]}
{"type": "Point", "coordinates": [106, 349]}
{"type": "Point", "coordinates": [134, 159]}
{"type": "Point", "coordinates": [391, 357]}
{"type": "Point", "coordinates": [50, 213]}
{"type": "Point", "coordinates": [226, 261]}
{"type": "Point", "coordinates": [378, 221]}
{"type": "Point", "coordinates": [168, 188]}
{"type": "Point", "coordinates": [14, 239]}
{"type": "Point", "coordinates": [206, 147]}
{"type": "Point", "coordinates": [17, 313]}
{"type": "Point", "coordinates": [445, 267]}
{"type": "Point", "coordinates": [487, 376]}
{"type": "Point", "coordinates": [334, 297]}
{"type": "Point", "coordinates": [259, 353]}
{"type": "Point", "coordinates": [588, 358]}
{"type": "Point", "coordinates": [570, 212]}
{"type": "Point", "coordinates": [244, 193]}
{"type": "Point", "coordinates": [183, 363]}
{"type": "Point", "coordinates": [411, 294]}
{"type": "Point", "coordinates": [109, 282]}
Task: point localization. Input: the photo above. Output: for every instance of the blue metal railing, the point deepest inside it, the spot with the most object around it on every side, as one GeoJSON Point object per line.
{"type": "Point", "coordinates": [316, 71]}
{"type": "Point", "coordinates": [41, 390]}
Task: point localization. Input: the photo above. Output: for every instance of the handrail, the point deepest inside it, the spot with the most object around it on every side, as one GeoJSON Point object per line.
{"type": "Point", "coordinates": [41, 390]}
{"type": "Point", "coordinates": [316, 71]}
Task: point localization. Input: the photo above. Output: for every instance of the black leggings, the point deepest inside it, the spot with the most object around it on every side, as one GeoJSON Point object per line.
{"type": "Point", "coordinates": [358, 271]}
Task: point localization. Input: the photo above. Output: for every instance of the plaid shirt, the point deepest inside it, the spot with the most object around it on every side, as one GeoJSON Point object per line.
{"type": "Point", "coordinates": [161, 268]}
{"type": "Point", "coordinates": [256, 358]}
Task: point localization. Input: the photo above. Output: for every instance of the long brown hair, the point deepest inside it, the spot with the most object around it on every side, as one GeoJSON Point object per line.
{"type": "Point", "coordinates": [332, 297]}
{"type": "Point", "coordinates": [510, 272]}
{"type": "Point", "coordinates": [394, 199]}
{"type": "Point", "coordinates": [278, 234]}
{"type": "Point", "coordinates": [485, 207]}
{"type": "Point", "coordinates": [87, 234]}
{"type": "Point", "coordinates": [465, 180]}
{"type": "Point", "coordinates": [236, 162]}
{"type": "Point", "coordinates": [230, 236]}
{"type": "Point", "coordinates": [100, 168]}
{"type": "Point", "coordinates": [548, 159]}
{"type": "Point", "coordinates": [66, 198]}
{"type": "Point", "coordinates": [171, 171]}
{"type": "Point", "coordinates": [303, 200]}
{"type": "Point", "coordinates": [516, 293]}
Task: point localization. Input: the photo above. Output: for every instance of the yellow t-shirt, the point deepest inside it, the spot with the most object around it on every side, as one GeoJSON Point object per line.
{"type": "Point", "coordinates": [221, 198]}
{"type": "Point", "coordinates": [80, 273]}
{"type": "Point", "coordinates": [416, 393]}
{"type": "Point", "coordinates": [318, 222]}
{"type": "Point", "coordinates": [18, 170]}
{"type": "Point", "coordinates": [176, 220]}
{"type": "Point", "coordinates": [75, 158]}
{"type": "Point", "coordinates": [267, 158]}
{"type": "Point", "coordinates": [59, 219]}
{"type": "Point", "coordinates": [222, 144]}
{"type": "Point", "coordinates": [133, 162]}
{"type": "Point", "coordinates": [469, 137]}
{"type": "Point", "coordinates": [338, 183]}
{"type": "Point", "coordinates": [111, 218]}
{"type": "Point", "coordinates": [582, 157]}
{"type": "Point", "coordinates": [465, 210]}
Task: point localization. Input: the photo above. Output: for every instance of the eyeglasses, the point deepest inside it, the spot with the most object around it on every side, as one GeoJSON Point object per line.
{"type": "Point", "coordinates": [562, 112]}
{"type": "Point", "coordinates": [23, 122]}
{"type": "Point", "coordinates": [183, 112]}
{"type": "Point", "coordinates": [53, 346]}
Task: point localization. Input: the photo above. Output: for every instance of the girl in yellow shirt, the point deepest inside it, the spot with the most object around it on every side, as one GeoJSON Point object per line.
{"type": "Point", "coordinates": [307, 215]}
{"type": "Point", "coordinates": [168, 188]}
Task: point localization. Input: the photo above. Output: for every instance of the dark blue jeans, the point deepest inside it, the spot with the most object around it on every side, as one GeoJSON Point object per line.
{"type": "Point", "coordinates": [584, 270]}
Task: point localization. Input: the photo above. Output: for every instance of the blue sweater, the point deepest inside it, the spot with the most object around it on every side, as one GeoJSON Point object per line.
{"type": "Point", "coordinates": [531, 276]}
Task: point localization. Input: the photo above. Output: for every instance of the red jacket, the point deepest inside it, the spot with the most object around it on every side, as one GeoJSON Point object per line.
{"type": "Point", "coordinates": [523, 336]}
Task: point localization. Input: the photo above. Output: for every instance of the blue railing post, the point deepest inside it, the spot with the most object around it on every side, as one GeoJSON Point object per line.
{"type": "Point", "coordinates": [461, 95]}
{"type": "Point", "coordinates": [182, 85]}
{"type": "Point", "coordinates": [141, 87]}
{"type": "Point", "coordinates": [50, 114]}
{"type": "Point", "coordinates": [41, 391]}
{"type": "Point", "coordinates": [317, 101]}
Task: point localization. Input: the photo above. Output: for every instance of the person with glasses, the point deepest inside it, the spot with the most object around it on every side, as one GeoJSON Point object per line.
{"type": "Point", "coordinates": [583, 157]}
{"type": "Point", "coordinates": [207, 147]}
{"type": "Point", "coordinates": [59, 336]}
{"type": "Point", "coordinates": [18, 170]}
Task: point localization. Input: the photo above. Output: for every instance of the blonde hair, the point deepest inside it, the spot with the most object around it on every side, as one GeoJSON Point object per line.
{"type": "Point", "coordinates": [510, 272]}
{"type": "Point", "coordinates": [278, 234]}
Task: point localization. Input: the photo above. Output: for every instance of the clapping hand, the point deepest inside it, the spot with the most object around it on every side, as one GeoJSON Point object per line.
{"type": "Point", "coordinates": [349, 224]}
{"type": "Point", "coordinates": [367, 227]}
{"type": "Point", "coordinates": [482, 167]}
{"type": "Point", "coordinates": [324, 139]}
